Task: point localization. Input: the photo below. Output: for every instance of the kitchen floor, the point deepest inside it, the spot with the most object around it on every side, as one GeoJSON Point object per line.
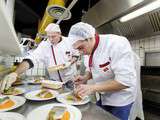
{"type": "Point", "coordinates": [151, 116]}
{"type": "Point", "coordinates": [151, 111]}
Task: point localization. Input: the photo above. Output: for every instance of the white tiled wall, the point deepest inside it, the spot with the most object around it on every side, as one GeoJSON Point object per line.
{"type": "Point", "coordinates": [146, 45]}
{"type": "Point", "coordinates": [37, 70]}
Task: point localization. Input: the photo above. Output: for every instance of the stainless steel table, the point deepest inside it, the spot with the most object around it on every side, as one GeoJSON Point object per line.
{"type": "Point", "coordinates": [89, 111]}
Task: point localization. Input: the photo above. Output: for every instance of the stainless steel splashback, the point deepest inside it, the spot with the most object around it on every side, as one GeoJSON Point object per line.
{"type": "Point", "coordinates": [106, 13]}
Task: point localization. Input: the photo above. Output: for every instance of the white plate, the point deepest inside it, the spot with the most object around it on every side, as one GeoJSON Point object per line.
{"type": "Point", "coordinates": [11, 116]}
{"type": "Point", "coordinates": [22, 90]}
{"type": "Point", "coordinates": [41, 113]}
{"type": "Point", "coordinates": [62, 98]}
{"type": "Point", "coordinates": [32, 95]}
{"type": "Point", "coordinates": [18, 100]}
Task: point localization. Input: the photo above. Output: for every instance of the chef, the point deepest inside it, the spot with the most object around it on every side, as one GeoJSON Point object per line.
{"type": "Point", "coordinates": [56, 50]}
{"type": "Point", "coordinates": [111, 66]}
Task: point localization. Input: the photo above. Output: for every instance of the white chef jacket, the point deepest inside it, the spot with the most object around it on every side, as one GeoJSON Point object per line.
{"type": "Point", "coordinates": [113, 60]}
{"type": "Point", "coordinates": [137, 107]}
{"type": "Point", "coordinates": [52, 55]}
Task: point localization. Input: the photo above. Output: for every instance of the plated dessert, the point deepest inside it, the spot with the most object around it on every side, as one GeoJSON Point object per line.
{"type": "Point", "coordinates": [44, 93]}
{"type": "Point", "coordinates": [58, 113]}
{"type": "Point", "coordinates": [13, 91]}
{"type": "Point", "coordinates": [6, 102]}
{"type": "Point", "coordinates": [10, 102]}
{"type": "Point", "coordinates": [55, 111]}
{"type": "Point", "coordinates": [72, 99]}
{"type": "Point", "coordinates": [41, 95]}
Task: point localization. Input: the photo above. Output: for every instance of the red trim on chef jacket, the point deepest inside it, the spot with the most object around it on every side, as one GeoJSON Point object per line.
{"type": "Point", "coordinates": [95, 46]}
{"type": "Point", "coordinates": [105, 69]}
{"type": "Point", "coordinates": [54, 57]}
{"type": "Point", "coordinates": [104, 65]}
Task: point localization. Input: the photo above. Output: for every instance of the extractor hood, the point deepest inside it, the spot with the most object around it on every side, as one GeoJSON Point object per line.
{"type": "Point", "coordinates": [105, 17]}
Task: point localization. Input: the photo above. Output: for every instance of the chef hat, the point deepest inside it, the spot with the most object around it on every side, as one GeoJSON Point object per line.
{"type": "Point", "coordinates": [81, 31]}
{"type": "Point", "coordinates": [52, 27]}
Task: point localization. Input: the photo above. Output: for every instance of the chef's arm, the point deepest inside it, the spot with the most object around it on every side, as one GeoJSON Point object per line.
{"type": "Point", "coordinates": [74, 59]}
{"type": "Point", "coordinates": [24, 65]}
{"type": "Point", "coordinates": [109, 86]}
{"type": "Point", "coordinates": [79, 79]}
{"type": "Point", "coordinates": [87, 75]}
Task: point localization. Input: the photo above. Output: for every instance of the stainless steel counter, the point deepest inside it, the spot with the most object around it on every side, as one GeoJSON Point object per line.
{"type": "Point", "coordinates": [89, 111]}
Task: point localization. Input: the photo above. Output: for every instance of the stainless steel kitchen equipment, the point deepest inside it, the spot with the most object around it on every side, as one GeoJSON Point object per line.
{"type": "Point", "coordinates": [106, 14]}
{"type": "Point", "coordinates": [89, 111]}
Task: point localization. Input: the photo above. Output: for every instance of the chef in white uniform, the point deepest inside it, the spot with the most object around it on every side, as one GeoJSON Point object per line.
{"type": "Point", "coordinates": [55, 50]}
{"type": "Point", "coordinates": [111, 66]}
{"type": "Point", "coordinates": [137, 107]}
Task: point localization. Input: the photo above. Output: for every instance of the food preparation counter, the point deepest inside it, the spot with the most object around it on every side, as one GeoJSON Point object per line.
{"type": "Point", "coordinates": [89, 111]}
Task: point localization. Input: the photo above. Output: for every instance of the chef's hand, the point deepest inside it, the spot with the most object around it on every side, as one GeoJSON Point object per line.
{"type": "Point", "coordinates": [84, 90]}
{"type": "Point", "coordinates": [8, 81]}
{"type": "Point", "coordinates": [79, 80]}
{"type": "Point", "coordinates": [67, 64]}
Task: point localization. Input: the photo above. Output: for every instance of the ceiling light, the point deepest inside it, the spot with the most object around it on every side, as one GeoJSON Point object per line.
{"type": "Point", "coordinates": [147, 8]}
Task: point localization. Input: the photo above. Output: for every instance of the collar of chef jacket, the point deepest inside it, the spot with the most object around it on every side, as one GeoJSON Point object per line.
{"type": "Point", "coordinates": [95, 47]}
